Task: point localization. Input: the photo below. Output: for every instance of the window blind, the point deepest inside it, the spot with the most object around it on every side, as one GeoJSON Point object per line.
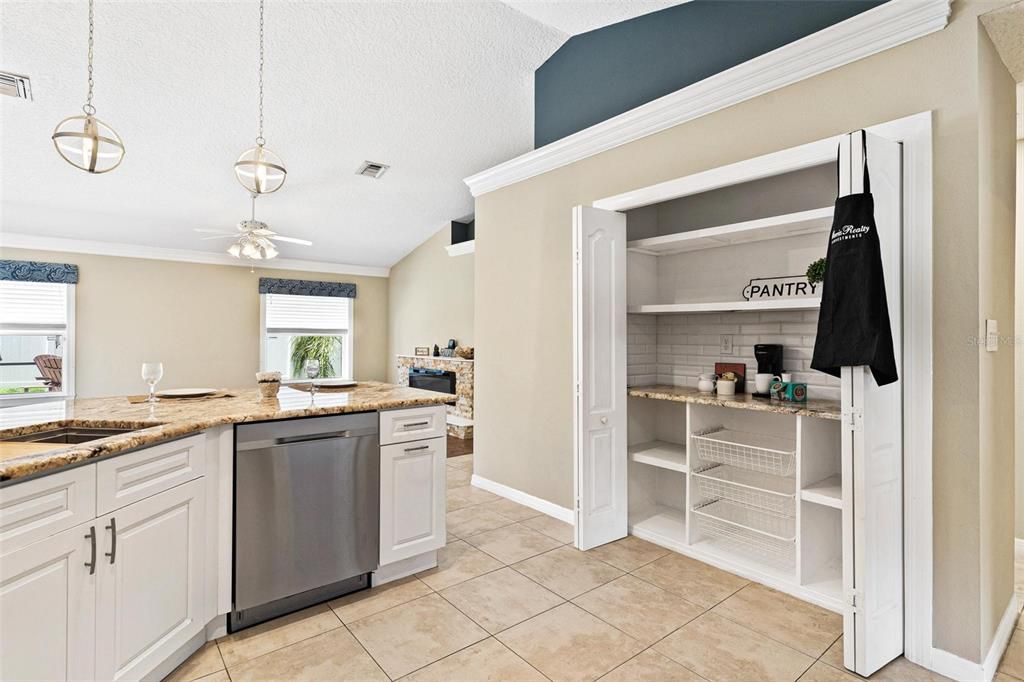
{"type": "Point", "coordinates": [33, 306]}
{"type": "Point", "coordinates": [287, 313]}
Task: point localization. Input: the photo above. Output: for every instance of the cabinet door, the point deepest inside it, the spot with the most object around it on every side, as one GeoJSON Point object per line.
{"type": "Point", "coordinates": [412, 499]}
{"type": "Point", "coordinates": [599, 343]}
{"type": "Point", "coordinates": [150, 581]}
{"type": "Point", "coordinates": [48, 609]}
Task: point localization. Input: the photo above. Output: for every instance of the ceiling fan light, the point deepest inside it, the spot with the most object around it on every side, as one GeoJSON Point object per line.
{"type": "Point", "coordinates": [88, 144]}
{"type": "Point", "coordinates": [250, 250]}
{"type": "Point", "coordinates": [269, 251]}
{"type": "Point", "coordinates": [235, 250]}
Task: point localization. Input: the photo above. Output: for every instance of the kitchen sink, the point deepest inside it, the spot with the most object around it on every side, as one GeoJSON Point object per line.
{"type": "Point", "coordinates": [68, 435]}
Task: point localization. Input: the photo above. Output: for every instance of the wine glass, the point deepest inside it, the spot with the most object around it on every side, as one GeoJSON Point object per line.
{"type": "Point", "coordinates": [312, 372]}
{"type": "Point", "coordinates": [152, 372]}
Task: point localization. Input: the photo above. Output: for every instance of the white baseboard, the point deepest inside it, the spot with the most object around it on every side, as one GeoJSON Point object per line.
{"type": "Point", "coordinates": [957, 668]}
{"type": "Point", "coordinates": [525, 499]}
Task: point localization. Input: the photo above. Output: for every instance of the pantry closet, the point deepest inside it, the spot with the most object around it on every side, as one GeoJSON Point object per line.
{"type": "Point", "coordinates": [804, 497]}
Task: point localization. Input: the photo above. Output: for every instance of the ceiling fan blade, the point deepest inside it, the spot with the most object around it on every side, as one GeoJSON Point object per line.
{"type": "Point", "coordinates": [293, 240]}
{"type": "Point", "coordinates": [206, 230]}
{"type": "Point", "coordinates": [219, 236]}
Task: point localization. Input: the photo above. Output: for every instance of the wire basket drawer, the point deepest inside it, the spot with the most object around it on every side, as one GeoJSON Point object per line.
{"type": "Point", "coordinates": [750, 489]}
{"type": "Point", "coordinates": [754, 451]}
{"type": "Point", "coordinates": [758, 535]}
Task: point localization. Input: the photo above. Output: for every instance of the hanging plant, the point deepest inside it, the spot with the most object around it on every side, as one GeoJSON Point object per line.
{"type": "Point", "coordinates": [816, 271]}
{"type": "Point", "coordinates": [322, 348]}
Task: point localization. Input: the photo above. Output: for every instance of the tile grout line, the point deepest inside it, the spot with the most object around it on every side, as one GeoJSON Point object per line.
{"type": "Point", "coordinates": [361, 646]}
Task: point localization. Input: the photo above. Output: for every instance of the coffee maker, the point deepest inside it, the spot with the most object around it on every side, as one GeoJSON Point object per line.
{"type": "Point", "coordinates": [769, 360]}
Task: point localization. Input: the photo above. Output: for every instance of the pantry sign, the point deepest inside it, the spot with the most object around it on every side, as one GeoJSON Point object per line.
{"type": "Point", "coordinates": [792, 286]}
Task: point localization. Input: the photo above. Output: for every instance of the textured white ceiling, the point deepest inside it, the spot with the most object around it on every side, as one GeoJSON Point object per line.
{"type": "Point", "coordinates": [439, 90]}
{"type": "Point", "coordinates": [579, 16]}
{"type": "Point", "coordinates": [1006, 28]}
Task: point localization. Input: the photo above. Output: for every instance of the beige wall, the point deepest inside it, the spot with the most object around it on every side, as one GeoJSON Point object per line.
{"type": "Point", "coordinates": [431, 296]}
{"type": "Point", "coordinates": [1019, 314]}
{"type": "Point", "coordinates": [201, 321]}
{"type": "Point", "coordinates": [523, 288]}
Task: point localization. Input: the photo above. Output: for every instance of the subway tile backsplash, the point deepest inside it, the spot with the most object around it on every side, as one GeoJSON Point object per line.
{"type": "Point", "coordinates": [676, 349]}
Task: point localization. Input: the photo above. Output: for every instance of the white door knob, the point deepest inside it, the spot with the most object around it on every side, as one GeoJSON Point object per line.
{"type": "Point", "coordinates": [604, 420]}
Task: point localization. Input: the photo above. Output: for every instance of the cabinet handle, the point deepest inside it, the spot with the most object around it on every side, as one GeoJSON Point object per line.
{"type": "Point", "coordinates": [412, 424]}
{"type": "Point", "coordinates": [92, 538]}
{"type": "Point", "coordinates": [113, 540]}
{"type": "Point", "coordinates": [419, 447]}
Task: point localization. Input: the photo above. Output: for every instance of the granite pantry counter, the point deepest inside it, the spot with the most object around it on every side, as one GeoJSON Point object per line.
{"type": "Point", "coordinates": [824, 409]}
{"type": "Point", "coordinates": [155, 422]}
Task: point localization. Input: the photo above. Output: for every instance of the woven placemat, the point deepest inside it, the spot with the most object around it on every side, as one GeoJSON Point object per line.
{"type": "Point", "coordinates": [135, 399]}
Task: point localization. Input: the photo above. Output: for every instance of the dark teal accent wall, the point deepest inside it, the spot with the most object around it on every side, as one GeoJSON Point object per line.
{"type": "Point", "coordinates": [603, 73]}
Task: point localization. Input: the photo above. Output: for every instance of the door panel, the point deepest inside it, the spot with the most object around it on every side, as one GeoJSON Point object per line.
{"type": "Point", "coordinates": [150, 588]}
{"type": "Point", "coordinates": [873, 440]}
{"type": "Point", "coordinates": [47, 609]}
{"type": "Point", "coordinates": [412, 493]}
{"type": "Point", "coordinates": [599, 337]}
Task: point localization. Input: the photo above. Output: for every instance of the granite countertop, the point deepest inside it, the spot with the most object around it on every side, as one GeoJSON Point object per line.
{"type": "Point", "coordinates": [824, 409]}
{"type": "Point", "coordinates": [155, 422]}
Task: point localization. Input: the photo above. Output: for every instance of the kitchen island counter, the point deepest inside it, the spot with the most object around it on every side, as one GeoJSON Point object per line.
{"type": "Point", "coordinates": [155, 422]}
{"type": "Point", "coordinates": [824, 409]}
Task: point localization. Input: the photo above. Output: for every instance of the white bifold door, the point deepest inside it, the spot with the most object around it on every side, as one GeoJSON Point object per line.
{"type": "Point", "coordinates": [599, 333]}
{"type": "Point", "coordinates": [872, 439]}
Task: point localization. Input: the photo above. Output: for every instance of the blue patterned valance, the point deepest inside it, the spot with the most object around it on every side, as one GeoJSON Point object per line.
{"type": "Point", "coordinates": [35, 271]}
{"type": "Point", "coordinates": [304, 287]}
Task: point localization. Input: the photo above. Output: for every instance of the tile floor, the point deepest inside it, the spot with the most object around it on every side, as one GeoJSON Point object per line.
{"type": "Point", "coordinates": [511, 599]}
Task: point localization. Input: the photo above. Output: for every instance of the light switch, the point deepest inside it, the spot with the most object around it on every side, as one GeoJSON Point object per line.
{"type": "Point", "coordinates": [725, 347]}
{"type": "Point", "coordinates": [991, 335]}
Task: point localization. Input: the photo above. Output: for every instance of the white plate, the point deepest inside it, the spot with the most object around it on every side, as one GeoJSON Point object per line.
{"type": "Point", "coordinates": [186, 392]}
{"type": "Point", "coordinates": [335, 382]}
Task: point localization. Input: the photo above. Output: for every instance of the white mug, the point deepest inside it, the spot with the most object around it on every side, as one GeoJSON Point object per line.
{"type": "Point", "coordinates": [706, 383]}
{"type": "Point", "coordinates": [787, 377]}
{"type": "Point", "coordinates": [763, 381]}
{"type": "Point", "coordinates": [726, 387]}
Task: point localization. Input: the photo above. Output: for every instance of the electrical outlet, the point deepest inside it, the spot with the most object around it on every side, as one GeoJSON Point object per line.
{"type": "Point", "coordinates": [725, 346]}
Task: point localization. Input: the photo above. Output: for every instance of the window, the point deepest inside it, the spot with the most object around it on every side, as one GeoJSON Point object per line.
{"type": "Point", "coordinates": [36, 339]}
{"type": "Point", "coordinates": [298, 327]}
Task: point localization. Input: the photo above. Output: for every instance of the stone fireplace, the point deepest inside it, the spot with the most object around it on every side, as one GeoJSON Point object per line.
{"type": "Point", "coordinates": [460, 415]}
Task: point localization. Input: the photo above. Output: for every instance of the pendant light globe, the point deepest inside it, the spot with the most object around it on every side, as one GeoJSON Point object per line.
{"type": "Point", "coordinates": [88, 144]}
{"type": "Point", "coordinates": [260, 170]}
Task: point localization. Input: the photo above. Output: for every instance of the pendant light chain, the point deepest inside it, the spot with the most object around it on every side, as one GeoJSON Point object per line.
{"type": "Point", "coordinates": [259, 137]}
{"type": "Point", "coordinates": [88, 108]}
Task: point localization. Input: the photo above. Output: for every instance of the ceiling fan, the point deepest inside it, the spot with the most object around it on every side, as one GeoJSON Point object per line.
{"type": "Point", "coordinates": [254, 238]}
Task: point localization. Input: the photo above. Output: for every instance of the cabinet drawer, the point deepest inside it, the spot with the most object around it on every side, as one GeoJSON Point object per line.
{"type": "Point", "coordinates": [418, 423]}
{"type": "Point", "coordinates": [42, 507]}
{"type": "Point", "coordinates": [137, 475]}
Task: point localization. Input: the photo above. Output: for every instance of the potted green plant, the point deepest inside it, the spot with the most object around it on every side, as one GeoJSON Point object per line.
{"type": "Point", "coordinates": [322, 348]}
{"type": "Point", "coordinates": [816, 271]}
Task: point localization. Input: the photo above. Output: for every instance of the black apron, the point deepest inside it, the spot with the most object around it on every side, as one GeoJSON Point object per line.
{"type": "Point", "coordinates": [853, 325]}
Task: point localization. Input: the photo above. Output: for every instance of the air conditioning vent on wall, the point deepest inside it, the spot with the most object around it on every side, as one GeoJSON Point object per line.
{"type": "Point", "coordinates": [15, 85]}
{"type": "Point", "coordinates": [372, 169]}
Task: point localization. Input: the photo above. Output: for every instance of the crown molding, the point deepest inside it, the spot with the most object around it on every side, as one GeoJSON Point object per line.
{"type": "Point", "coordinates": [880, 28]}
{"type": "Point", "coordinates": [26, 241]}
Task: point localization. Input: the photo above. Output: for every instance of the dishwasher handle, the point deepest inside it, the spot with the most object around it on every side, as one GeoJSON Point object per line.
{"type": "Point", "coordinates": [292, 440]}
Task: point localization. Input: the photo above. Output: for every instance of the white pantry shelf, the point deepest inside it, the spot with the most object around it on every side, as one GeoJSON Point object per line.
{"type": "Point", "coordinates": [828, 492]}
{"type": "Point", "coordinates": [661, 454]}
{"type": "Point", "coordinates": [776, 227]}
{"type": "Point", "coordinates": [727, 306]}
{"type": "Point", "coordinates": [660, 524]}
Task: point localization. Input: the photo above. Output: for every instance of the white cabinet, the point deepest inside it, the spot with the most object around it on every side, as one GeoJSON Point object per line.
{"type": "Point", "coordinates": [48, 607]}
{"type": "Point", "coordinates": [417, 423]}
{"type": "Point", "coordinates": [150, 581]}
{"type": "Point", "coordinates": [412, 498]}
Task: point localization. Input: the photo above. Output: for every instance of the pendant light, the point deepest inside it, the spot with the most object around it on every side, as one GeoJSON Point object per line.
{"type": "Point", "coordinates": [85, 141]}
{"type": "Point", "coordinates": [260, 170]}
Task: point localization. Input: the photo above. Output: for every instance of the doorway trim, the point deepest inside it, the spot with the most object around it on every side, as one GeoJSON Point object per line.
{"type": "Point", "coordinates": [915, 133]}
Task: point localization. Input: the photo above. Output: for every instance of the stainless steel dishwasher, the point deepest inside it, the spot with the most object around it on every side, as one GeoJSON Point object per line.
{"type": "Point", "coordinates": [307, 511]}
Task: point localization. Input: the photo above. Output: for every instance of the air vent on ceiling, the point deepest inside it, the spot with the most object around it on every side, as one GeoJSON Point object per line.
{"type": "Point", "coordinates": [15, 85]}
{"type": "Point", "coordinates": [372, 169]}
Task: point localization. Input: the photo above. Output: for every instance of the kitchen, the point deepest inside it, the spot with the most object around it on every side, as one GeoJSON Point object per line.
{"type": "Point", "coordinates": [648, 448]}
